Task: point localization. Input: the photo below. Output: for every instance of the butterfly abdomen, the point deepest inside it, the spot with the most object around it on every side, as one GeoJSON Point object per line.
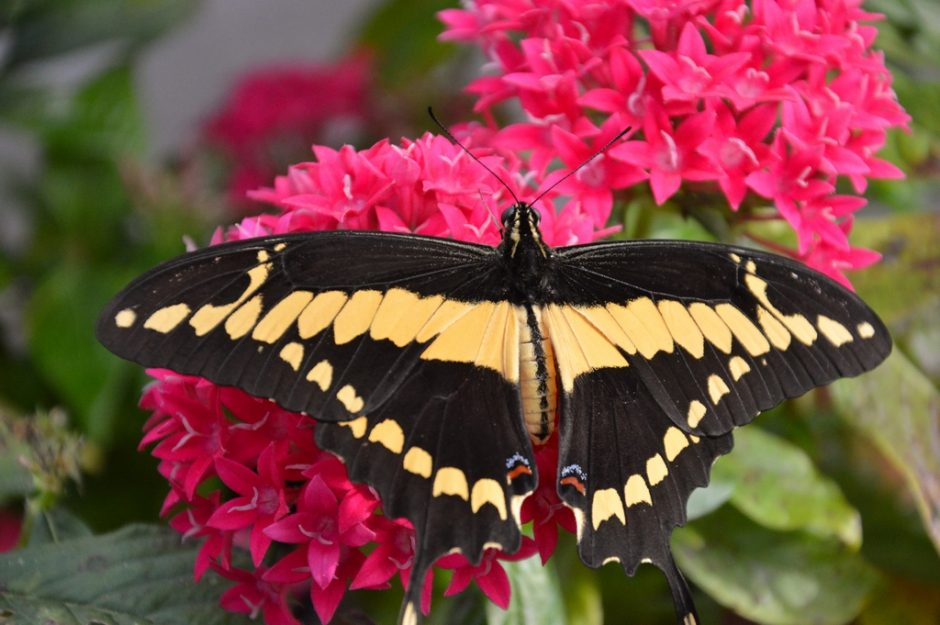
{"type": "Point", "coordinates": [536, 376]}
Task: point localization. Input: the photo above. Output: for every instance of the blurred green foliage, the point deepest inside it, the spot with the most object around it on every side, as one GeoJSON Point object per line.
{"type": "Point", "coordinates": [827, 512]}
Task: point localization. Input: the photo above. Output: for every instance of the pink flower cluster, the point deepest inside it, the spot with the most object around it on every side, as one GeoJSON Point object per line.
{"type": "Point", "coordinates": [763, 101]}
{"type": "Point", "coordinates": [274, 113]}
{"type": "Point", "coordinates": [245, 473]}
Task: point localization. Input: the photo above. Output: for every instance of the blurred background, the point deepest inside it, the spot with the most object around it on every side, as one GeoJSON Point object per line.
{"type": "Point", "coordinates": [128, 127]}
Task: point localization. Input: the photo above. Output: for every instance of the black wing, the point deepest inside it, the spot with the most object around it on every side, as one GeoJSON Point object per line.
{"type": "Point", "coordinates": [403, 347]}
{"type": "Point", "coordinates": [719, 333]}
{"type": "Point", "coordinates": [663, 347]}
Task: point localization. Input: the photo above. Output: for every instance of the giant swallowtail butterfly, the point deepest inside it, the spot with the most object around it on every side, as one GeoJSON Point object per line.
{"type": "Point", "coordinates": [433, 366]}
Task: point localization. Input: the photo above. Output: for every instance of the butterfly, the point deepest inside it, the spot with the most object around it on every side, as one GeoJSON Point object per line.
{"type": "Point", "coordinates": [433, 367]}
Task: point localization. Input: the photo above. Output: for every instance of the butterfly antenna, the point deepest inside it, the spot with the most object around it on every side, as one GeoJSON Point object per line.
{"type": "Point", "coordinates": [453, 139]}
{"type": "Point", "coordinates": [581, 166]}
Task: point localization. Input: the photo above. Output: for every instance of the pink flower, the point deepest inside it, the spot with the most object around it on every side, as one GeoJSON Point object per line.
{"type": "Point", "coordinates": [489, 575]}
{"type": "Point", "coordinates": [544, 508]}
{"type": "Point", "coordinates": [192, 522]}
{"type": "Point", "coordinates": [735, 148]}
{"type": "Point", "coordinates": [261, 503]}
{"type": "Point", "coordinates": [393, 555]}
{"type": "Point", "coordinates": [11, 524]}
{"type": "Point", "coordinates": [670, 155]}
{"type": "Point", "coordinates": [689, 73]}
{"type": "Point", "coordinates": [274, 113]}
{"type": "Point", "coordinates": [325, 523]}
{"type": "Point", "coordinates": [256, 597]}
{"type": "Point", "coordinates": [593, 183]}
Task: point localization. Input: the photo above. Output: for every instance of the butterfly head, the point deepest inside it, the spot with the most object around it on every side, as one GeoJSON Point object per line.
{"type": "Point", "coordinates": [521, 234]}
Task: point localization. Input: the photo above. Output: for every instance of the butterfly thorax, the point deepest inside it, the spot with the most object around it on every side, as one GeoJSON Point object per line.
{"type": "Point", "coordinates": [526, 256]}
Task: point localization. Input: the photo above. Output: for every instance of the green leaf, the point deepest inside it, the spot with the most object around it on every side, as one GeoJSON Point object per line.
{"type": "Point", "coordinates": [906, 277]}
{"type": "Point", "coordinates": [61, 320]}
{"type": "Point", "coordinates": [536, 596]}
{"type": "Point", "coordinates": [103, 123]}
{"type": "Point", "coordinates": [706, 500]}
{"type": "Point", "coordinates": [770, 577]}
{"type": "Point", "coordinates": [41, 29]}
{"type": "Point", "coordinates": [583, 601]}
{"type": "Point", "coordinates": [402, 35]}
{"type": "Point", "coordinates": [15, 479]}
{"type": "Point", "coordinates": [896, 406]}
{"type": "Point", "coordinates": [137, 575]}
{"type": "Point", "coordinates": [777, 486]}
{"type": "Point", "coordinates": [56, 526]}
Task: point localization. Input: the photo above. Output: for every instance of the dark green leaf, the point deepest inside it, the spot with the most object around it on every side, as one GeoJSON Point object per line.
{"type": "Point", "coordinates": [46, 28]}
{"type": "Point", "coordinates": [897, 408]}
{"type": "Point", "coordinates": [777, 486]}
{"type": "Point", "coordinates": [57, 525]}
{"type": "Point", "coordinates": [536, 596]}
{"type": "Point", "coordinates": [770, 577]}
{"type": "Point", "coordinates": [402, 35]}
{"type": "Point", "coordinates": [61, 317]}
{"type": "Point", "coordinates": [139, 574]}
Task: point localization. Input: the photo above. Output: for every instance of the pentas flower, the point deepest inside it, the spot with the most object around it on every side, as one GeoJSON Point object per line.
{"type": "Point", "coordinates": [762, 101]}
{"type": "Point", "coordinates": [274, 113]}
{"type": "Point", "coordinates": [246, 474]}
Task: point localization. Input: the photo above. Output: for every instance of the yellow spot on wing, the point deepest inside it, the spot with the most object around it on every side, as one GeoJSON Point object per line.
{"type": "Point", "coordinates": [674, 441]}
{"type": "Point", "coordinates": [636, 491]}
{"type": "Point", "coordinates": [356, 316]}
{"type": "Point", "coordinates": [322, 374]}
{"type": "Point", "coordinates": [292, 354]}
{"type": "Point", "coordinates": [449, 313]}
{"type": "Point", "coordinates": [281, 316]}
{"type": "Point", "coordinates": [865, 330]}
{"type": "Point", "coordinates": [711, 326]}
{"type": "Point", "coordinates": [738, 367]}
{"type": "Point", "coordinates": [835, 332]}
{"type": "Point", "coordinates": [240, 322]}
{"type": "Point", "coordinates": [682, 327]}
{"type": "Point", "coordinates": [499, 348]}
{"type": "Point", "coordinates": [320, 313]}
{"type": "Point", "coordinates": [401, 315]}
{"type": "Point", "coordinates": [775, 331]}
{"type": "Point", "coordinates": [279, 247]}
{"type": "Point", "coordinates": [125, 318]}
{"type": "Point", "coordinates": [717, 388]}
{"type": "Point", "coordinates": [488, 491]}
{"type": "Point", "coordinates": [641, 321]}
{"type": "Point", "coordinates": [356, 426]}
{"type": "Point", "coordinates": [210, 315]}
{"type": "Point", "coordinates": [417, 461]}
{"type": "Point", "coordinates": [696, 413]}
{"type": "Point", "coordinates": [450, 481]}
{"type": "Point", "coordinates": [347, 395]}
{"type": "Point", "coordinates": [166, 318]}
{"type": "Point", "coordinates": [606, 504]}
{"type": "Point", "coordinates": [743, 329]}
{"type": "Point", "coordinates": [601, 319]}
{"type": "Point", "coordinates": [485, 334]}
{"type": "Point", "coordinates": [388, 434]}
{"type": "Point", "coordinates": [797, 324]}
{"type": "Point", "coordinates": [656, 470]}
{"type": "Point", "coordinates": [579, 346]}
